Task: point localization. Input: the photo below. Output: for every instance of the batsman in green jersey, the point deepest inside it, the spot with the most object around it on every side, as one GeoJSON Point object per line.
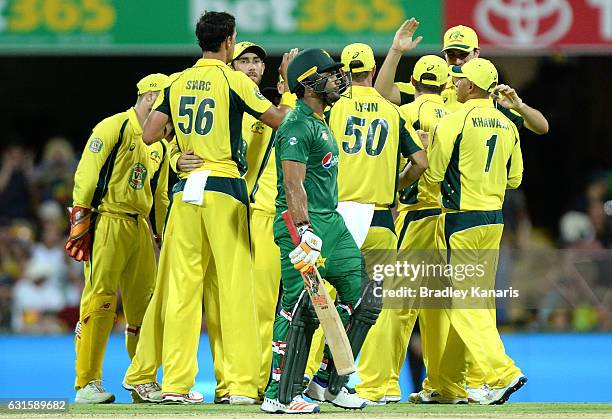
{"type": "Point", "coordinates": [307, 171]}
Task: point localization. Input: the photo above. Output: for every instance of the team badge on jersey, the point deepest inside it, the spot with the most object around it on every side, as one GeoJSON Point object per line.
{"type": "Point", "coordinates": [258, 128]}
{"type": "Point", "coordinates": [138, 176]}
{"type": "Point", "coordinates": [293, 141]}
{"type": "Point", "coordinates": [329, 160]}
{"type": "Point", "coordinates": [95, 145]}
{"type": "Point", "coordinates": [325, 135]}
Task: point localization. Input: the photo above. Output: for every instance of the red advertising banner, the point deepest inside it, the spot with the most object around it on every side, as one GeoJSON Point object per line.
{"type": "Point", "coordinates": [535, 25]}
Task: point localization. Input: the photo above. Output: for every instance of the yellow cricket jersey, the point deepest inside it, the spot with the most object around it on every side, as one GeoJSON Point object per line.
{"type": "Point", "coordinates": [119, 173]}
{"type": "Point", "coordinates": [476, 155]}
{"type": "Point", "coordinates": [371, 134]}
{"type": "Point", "coordinates": [449, 95]}
{"type": "Point", "coordinates": [206, 104]}
{"type": "Point", "coordinates": [256, 135]}
{"type": "Point", "coordinates": [424, 113]}
{"type": "Point", "coordinates": [261, 176]}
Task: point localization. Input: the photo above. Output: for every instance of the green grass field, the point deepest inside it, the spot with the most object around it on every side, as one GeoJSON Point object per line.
{"type": "Point", "coordinates": [517, 410]}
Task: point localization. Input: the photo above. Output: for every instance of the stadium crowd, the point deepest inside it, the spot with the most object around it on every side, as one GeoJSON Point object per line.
{"type": "Point", "coordinates": [40, 286]}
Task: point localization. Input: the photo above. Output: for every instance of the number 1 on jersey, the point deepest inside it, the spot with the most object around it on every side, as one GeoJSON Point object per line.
{"type": "Point", "coordinates": [491, 145]}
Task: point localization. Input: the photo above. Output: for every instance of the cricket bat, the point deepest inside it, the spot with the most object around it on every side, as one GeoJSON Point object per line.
{"type": "Point", "coordinates": [324, 306]}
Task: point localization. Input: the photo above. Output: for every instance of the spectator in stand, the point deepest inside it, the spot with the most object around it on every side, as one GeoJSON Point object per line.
{"type": "Point", "coordinates": [15, 183]}
{"type": "Point", "coordinates": [54, 175]}
{"type": "Point", "coordinates": [36, 301]}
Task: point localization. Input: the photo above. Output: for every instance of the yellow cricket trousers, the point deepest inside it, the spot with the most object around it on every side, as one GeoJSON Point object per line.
{"type": "Point", "coordinates": [384, 350]}
{"type": "Point", "coordinates": [267, 273]}
{"type": "Point", "coordinates": [463, 239]}
{"type": "Point", "coordinates": [122, 257]}
{"type": "Point", "coordinates": [206, 255]}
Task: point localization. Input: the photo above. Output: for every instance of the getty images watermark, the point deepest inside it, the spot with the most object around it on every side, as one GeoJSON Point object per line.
{"type": "Point", "coordinates": [420, 277]}
{"type": "Point", "coordinates": [522, 282]}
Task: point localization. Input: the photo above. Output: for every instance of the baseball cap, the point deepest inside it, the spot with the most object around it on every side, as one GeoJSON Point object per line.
{"type": "Point", "coordinates": [152, 83]}
{"type": "Point", "coordinates": [358, 52]}
{"type": "Point", "coordinates": [479, 71]}
{"type": "Point", "coordinates": [460, 37]}
{"type": "Point", "coordinates": [242, 47]}
{"type": "Point", "coordinates": [308, 62]}
{"type": "Point", "coordinates": [434, 65]}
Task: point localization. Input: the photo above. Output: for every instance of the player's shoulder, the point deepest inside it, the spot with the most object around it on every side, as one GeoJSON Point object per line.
{"type": "Point", "coordinates": [294, 121]}
{"type": "Point", "coordinates": [113, 122]}
{"type": "Point", "coordinates": [454, 119]}
{"type": "Point", "coordinates": [405, 87]}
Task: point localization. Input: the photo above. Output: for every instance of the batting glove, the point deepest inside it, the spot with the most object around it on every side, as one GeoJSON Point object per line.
{"type": "Point", "coordinates": [309, 249]}
{"type": "Point", "coordinates": [78, 245]}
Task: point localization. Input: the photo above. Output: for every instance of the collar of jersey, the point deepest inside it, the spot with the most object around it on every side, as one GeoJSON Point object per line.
{"type": "Point", "coordinates": [364, 90]}
{"type": "Point", "coordinates": [307, 110]}
{"type": "Point", "coordinates": [429, 97]}
{"type": "Point", "coordinates": [134, 121]}
{"type": "Point", "coordinates": [479, 103]}
{"type": "Point", "coordinates": [208, 61]}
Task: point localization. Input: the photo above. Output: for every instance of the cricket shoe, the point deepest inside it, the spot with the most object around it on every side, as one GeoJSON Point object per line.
{"type": "Point", "coordinates": [93, 393]}
{"type": "Point", "coordinates": [392, 399]}
{"type": "Point", "coordinates": [148, 392]}
{"type": "Point", "coordinates": [225, 399]}
{"type": "Point", "coordinates": [415, 397]}
{"type": "Point", "coordinates": [241, 400]}
{"type": "Point", "coordinates": [477, 395]}
{"type": "Point", "coordinates": [346, 398]}
{"type": "Point", "coordinates": [501, 395]}
{"type": "Point", "coordinates": [379, 402]}
{"type": "Point", "coordinates": [433, 397]}
{"type": "Point", "coordinates": [298, 405]}
{"type": "Point", "coordinates": [193, 397]}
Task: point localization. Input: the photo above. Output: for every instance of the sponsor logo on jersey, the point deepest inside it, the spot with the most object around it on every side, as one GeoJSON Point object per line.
{"type": "Point", "coordinates": [293, 141]}
{"type": "Point", "coordinates": [132, 147]}
{"type": "Point", "coordinates": [155, 156]}
{"type": "Point", "coordinates": [258, 94]}
{"type": "Point", "coordinates": [95, 145]}
{"type": "Point", "coordinates": [324, 135]}
{"type": "Point", "coordinates": [138, 176]}
{"type": "Point", "coordinates": [329, 160]}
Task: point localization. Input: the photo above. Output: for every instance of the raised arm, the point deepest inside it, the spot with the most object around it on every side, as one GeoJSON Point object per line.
{"type": "Point", "coordinates": [533, 119]}
{"type": "Point", "coordinates": [402, 43]}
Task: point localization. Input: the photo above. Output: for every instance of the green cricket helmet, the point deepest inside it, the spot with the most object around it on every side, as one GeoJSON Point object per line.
{"type": "Point", "coordinates": [307, 68]}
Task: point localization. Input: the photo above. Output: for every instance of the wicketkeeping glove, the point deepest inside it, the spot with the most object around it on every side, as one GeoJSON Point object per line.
{"type": "Point", "coordinates": [309, 249]}
{"type": "Point", "coordinates": [78, 245]}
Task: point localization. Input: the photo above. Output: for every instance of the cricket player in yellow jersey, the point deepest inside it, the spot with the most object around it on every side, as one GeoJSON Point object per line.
{"type": "Point", "coordinates": [418, 209]}
{"type": "Point", "coordinates": [208, 219]}
{"type": "Point", "coordinates": [475, 155]}
{"type": "Point", "coordinates": [261, 185]}
{"type": "Point", "coordinates": [460, 46]}
{"type": "Point", "coordinates": [371, 135]}
{"type": "Point", "coordinates": [118, 181]}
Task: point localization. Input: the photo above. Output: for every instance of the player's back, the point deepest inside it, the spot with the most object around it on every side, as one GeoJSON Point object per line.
{"type": "Point", "coordinates": [485, 158]}
{"type": "Point", "coordinates": [207, 103]}
{"type": "Point", "coordinates": [424, 113]}
{"type": "Point", "coordinates": [367, 129]}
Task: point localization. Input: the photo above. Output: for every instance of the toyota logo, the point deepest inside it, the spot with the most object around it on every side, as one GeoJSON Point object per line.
{"type": "Point", "coordinates": [524, 17]}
